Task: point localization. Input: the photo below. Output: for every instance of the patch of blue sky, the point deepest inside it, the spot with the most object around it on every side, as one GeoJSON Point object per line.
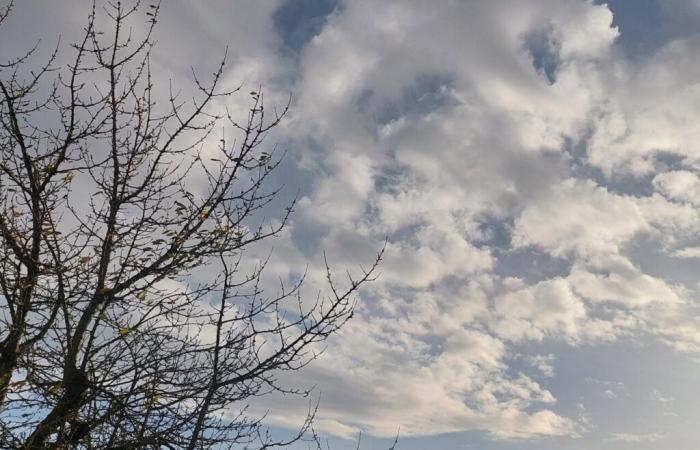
{"type": "Point", "coordinates": [647, 25]}
{"type": "Point", "coordinates": [648, 253]}
{"type": "Point", "coordinates": [543, 48]}
{"type": "Point", "coordinates": [530, 264]}
{"type": "Point", "coordinates": [427, 93]}
{"type": "Point", "coordinates": [298, 21]}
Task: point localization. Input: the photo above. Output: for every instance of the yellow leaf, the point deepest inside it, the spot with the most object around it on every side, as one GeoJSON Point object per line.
{"type": "Point", "coordinates": [141, 295]}
{"type": "Point", "coordinates": [123, 331]}
{"type": "Point", "coordinates": [152, 400]}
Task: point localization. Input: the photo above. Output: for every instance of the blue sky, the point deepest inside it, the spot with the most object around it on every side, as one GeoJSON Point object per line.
{"type": "Point", "coordinates": [534, 167]}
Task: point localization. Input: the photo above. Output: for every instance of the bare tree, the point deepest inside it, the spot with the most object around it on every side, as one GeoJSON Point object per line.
{"type": "Point", "coordinates": [130, 316]}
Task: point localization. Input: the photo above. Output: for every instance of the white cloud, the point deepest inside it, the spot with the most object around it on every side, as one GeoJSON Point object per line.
{"type": "Point", "coordinates": [680, 185]}
{"type": "Point", "coordinates": [578, 216]}
{"type": "Point", "coordinates": [688, 253]}
{"type": "Point", "coordinates": [543, 363]}
{"type": "Point", "coordinates": [630, 287]}
{"type": "Point", "coordinates": [549, 308]}
{"type": "Point", "coordinates": [651, 108]}
{"type": "Point", "coordinates": [637, 437]}
{"type": "Point", "coordinates": [610, 394]}
{"type": "Point", "coordinates": [429, 347]}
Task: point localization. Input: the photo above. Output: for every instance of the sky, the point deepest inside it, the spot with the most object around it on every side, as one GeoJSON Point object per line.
{"type": "Point", "coordinates": [534, 168]}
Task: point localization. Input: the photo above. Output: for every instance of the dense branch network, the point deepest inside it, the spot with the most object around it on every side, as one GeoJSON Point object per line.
{"type": "Point", "coordinates": [114, 334]}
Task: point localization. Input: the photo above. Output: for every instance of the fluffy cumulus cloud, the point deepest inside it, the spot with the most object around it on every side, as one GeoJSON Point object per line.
{"type": "Point", "coordinates": [550, 308]}
{"type": "Point", "coordinates": [652, 112]}
{"type": "Point", "coordinates": [465, 133]}
{"type": "Point", "coordinates": [679, 185]}
{"type": "Point", "coordinates": [435, 126]}
{"type": "Point", "coordinates": [561, 222]}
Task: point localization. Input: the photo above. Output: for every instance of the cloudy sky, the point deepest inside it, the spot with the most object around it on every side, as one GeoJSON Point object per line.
{"type": "Point", "coordinates": [534, 165]}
